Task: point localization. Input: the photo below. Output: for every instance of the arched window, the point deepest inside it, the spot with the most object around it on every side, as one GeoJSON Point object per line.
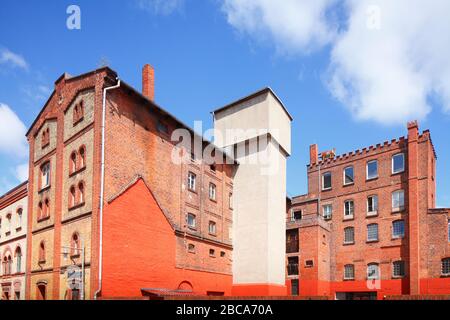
{"type": "Point", "coordinates": [373, 271]}
{"type": "Point", "coordinates": [81, 192]}
{"type": "Point", "coordinates": [82, 153]}
{"type": "Point", "coordinates": [75, 245]}
{"type": "Point", "coordinates": [8, 223]}
{"type": "Point", "coordinates": [41, 291]}
{"type": "Point", "coordinates": [73, 162]}
{"type": "Point", "coordinates": [7, 264]}
{"type": "Point", "coordinates": [18, 256]}
{"type": "Point", "coordinates": [78, 112]}
{"type": "Point", "coordinates": [19, 217]}
{"type": "Point", "coordinates": [72, 196]}
{"type": "Point", "coordinates": [40, 210]}
{"type": "Point", "coordinates": [42, 252]}
{"type": "Point", "coordinates": [46, 208]}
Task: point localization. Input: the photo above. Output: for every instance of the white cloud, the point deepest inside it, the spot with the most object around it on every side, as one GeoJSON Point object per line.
{"type": "Point", "coordinates": [12, 133]}
{"type": "Point", "coordinates": [21, 172]}
{"type": "Point", "coordinates": [295, 26]}
{"type": "Point", "coordinates": [162, 7]}
{"type": "Point", "coordinates": [12, 59]}
{"type": "Point", "coordinates": [385, 74]}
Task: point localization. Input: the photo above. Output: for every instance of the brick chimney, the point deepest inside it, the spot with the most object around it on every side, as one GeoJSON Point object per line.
{"type": "Point", "coordinates": [313, 154]}
{"type": "Point", "coordinates": [413, 208]}
{"type": "Point", "coordinates": [148, 82]}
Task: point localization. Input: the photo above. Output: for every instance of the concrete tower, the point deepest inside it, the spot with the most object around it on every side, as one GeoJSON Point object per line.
{"type": "Point", "coordinates": [257, 131]}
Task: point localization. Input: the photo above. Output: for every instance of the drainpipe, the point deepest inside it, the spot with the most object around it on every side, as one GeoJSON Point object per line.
{"type": "Point", "coordinates": [102, 189]}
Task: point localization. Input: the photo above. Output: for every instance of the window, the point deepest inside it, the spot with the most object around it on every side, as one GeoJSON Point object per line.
{"type": "Point", "coordinates": [74, 294]}
{"type": "Point", "coordinates": [191, 247]}
{"type": "Point", "coordinates": [326, 181]}
{"type": "Point", "coordinates": [292, 241]}
{"type": "Point", "coordinates": [398, 229]}
{"type": "Point", "coordinates": [348, 176]}
{"type": "Point", "coordinates": [398, 201]}
{"type": "Point", "coordinates": [72, 197]}
{"type": "Point", "coordinates": [230, 200]}
{"type": "Point", "coordinates": [41, 292]}
{"type": "Point", "coordinates": [43, 210]}
{"type": "Point", "coordinates": [73, 162]}
{"type": "Point", "coordinates": [398, 163]}
{"type": "Point", "coordinates": [373, 271]}
{"type": "Point", "coordinates": [8, 223]}
{"type": "Point", "coordinates": [349, 235]}
{"type": "Point", "coordinates": [398, 269]}
{"type": "Point", "coordinates": [80, 193]}
{"type": "Point", "coordinates": [78, 112]}
{"type": "Point", "coordinates": [212, 252]}
{"type": "Point", "coordinates": [309, 263]}
{"type": "Point", "coordinates": [292, 267]}
{"type": "Point", "coordinates": [18, 255]}
{"type": "Point", "coordinates": [327, 211]}
{"type": "Point", "coordinates": [75, 246]}
{"type": "Point", "coordinates": [349, 209]}
{"type": "Point", "coordinates": [212, 168]}
{"type": "Point", "coordinates": [45, 139]}
{"type": "Point", "coordinates": [19, 218]}
{"type": "Point", "coordinates": [42, 252]}
{"type": "Point", "coordinates": [372, 232]}
{"type": "Point", "coordinates": [372, 205]}
{"type": "Point", "coordinates": [162, 127]}
{"type": "Point", "coordinates": [372, 169]}
{"type": "Point", "coordinates": [191, 181]}
{"type": "Point", "coordinates": [212, 227]}
{"type": "Point", "coordinates": [294, 287]}
{"type": "Point", "coordinates": [212, 191]}
{"type": "Point", "coordinates": [222, 254]}
{"type": "Point", "coordinates": [445, 270]}
{"type": "Point", "coordinates": [296, 215]}
{"type": "Point", "coordinates": [349, 272]}
{"type": "Point", "coordinates": [191, 221]}
{"type": "Point", "coordinates": [40, 211]}
{"type": "Point", "coordinates": [82, 153]}
{"type": "Point", "coordinates": [7, 264]}
{"type": "Point", "coordinates": [45, 175]}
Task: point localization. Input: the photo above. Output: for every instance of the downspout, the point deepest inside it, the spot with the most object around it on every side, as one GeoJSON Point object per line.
{"type": "Point", "coordinates": [102, 189]}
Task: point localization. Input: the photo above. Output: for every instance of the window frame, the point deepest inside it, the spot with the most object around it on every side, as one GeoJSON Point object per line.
{"type": "Point", "coordinates": [352, 277]}
{"type": "Point", "coordinates": [212, 192]}
{"type": "Point", "coordinates": [214, 225]}
{"type": "Point", "coordinates": [367, 170]}
{"type": "Point", "coordinates": [328, 217]}
{"type": "Point", "coordinates": [345, 176]}
{"type": "Point", "coordinates": [45, 168]}
{"type": "Point", "coordinates": [194, 225]}
{"type": "Point", "coordinates": [445, 265]}
{"type": "Point", "coordinates": [373, 212]}
{"type": "Point", "coordinates": [368, 239]}
{"type": "Point", "coordinates": [192, 179]}
{"type": "Point", "coordinates": [401, 207]}
{"type": "Point", "coordinates": [403, 163]}
{"type": "Point", "coordinates": [377, 266]}
{"type": "Point", "coordinates": [352, 229]}
{"type": "Point", "coordinates": [401, 267]}
{"type": "Point", "coordinates": [323, 181]}
{"type": "Point", "coordinates": [400, 236]}
{"type": "Point", "coordinates": [349, 216]}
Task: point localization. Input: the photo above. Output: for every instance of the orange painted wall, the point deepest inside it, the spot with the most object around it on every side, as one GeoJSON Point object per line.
{"type": "Point", "coordinates": [141, 252]}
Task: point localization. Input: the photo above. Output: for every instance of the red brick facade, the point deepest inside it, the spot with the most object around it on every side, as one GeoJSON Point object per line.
{"type": "Point", "coordinates": [420, 250]}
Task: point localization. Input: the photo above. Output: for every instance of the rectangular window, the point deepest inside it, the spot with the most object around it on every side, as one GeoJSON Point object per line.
{"type": "Point", "coordinates": [349, 235]}
{"type": "Point", "coordinates": [372, 205]}
{"type": "Point", "coordinates": [349, 209]}
{"type": "Point", "coordinates": [398, 200]}
{"type": "Point", "coordinates": [191, 220]}
{"type": "Point", "coordinates": [327, 211]}
{"type": "Point", "coordinates": [212, 252]}
{"type": "Point", "coordinates": [372, 232]}
{"type": "Point", "coordinates": [398, 229]}
{"type": "Point", "coordinates": [212, 227]}
{"type": "Point", "coordinates": [348, 176]}
{"type": "Point", "coordinates": [373, 271]}
{"type": "Point", "coordinates": [326, 181]}
{"type": "Point", "coordinates": [372, 169]}
{"type": "Point", "coordinates": [349, 272]}
{"type": "Point", "coordinates": [292, 268]}
{"type": "Point", "coordinates": [45, 175]}
{"type": "Point", "coordinates": [445, 270]}
{"type": "Point", "coordinates": [398, 269]}
{"type": "Point", "coordinates": [398, 163]}
{"type": "Point", "coordinates": [212, 191]}
{"type": "Point", "coordinates": [191, 181]}
{"type": "Point", "coordinates": [230, 200]}
{"type": "Point", "coordinates": [296, 215]}
{"type": "Point", "coordinates": [294, 287]}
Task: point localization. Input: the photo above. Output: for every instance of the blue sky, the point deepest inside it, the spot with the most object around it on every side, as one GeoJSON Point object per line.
{"type": "Point", "coordinates": [209, 53]}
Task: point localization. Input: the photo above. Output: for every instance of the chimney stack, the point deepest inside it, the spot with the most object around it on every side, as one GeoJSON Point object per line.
{"type": "Point", "coordinates": [313, 154]}
{"type": "Point", "coordinates": [148, 82]}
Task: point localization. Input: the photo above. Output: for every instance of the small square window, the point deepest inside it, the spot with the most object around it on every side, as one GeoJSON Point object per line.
{"type": "Point", "coordinates": [398, 163]}
{"type": "Point", "coordinates": [326, 181]}
{"type": "Point", "coordinates": [212, 252]}
{"type": "Point", "coordinates": [296, 215]}
{"type": "Point", "coordinates": [191, 247]}
{"type": "Point", "coordinates": [372, 169]}
{"type": "Point", "coordinates": [348, 176]}
{"type": "Point", "coordinates": [309, 263]}
{"type": "Point", "coordinates": [222, 254]}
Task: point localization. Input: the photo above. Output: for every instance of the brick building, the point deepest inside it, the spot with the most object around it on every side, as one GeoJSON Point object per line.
{"type": "Point", "coordinates": [368, 226]}
{"type": "Point", "coordinates": [13, 245]}
{"type": "Point", "coordinates": [124, 218]}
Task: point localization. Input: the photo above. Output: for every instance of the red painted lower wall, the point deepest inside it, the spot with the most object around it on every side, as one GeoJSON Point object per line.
{"type": "Point", "coordinates": [141, 252]}
{"type": "Point", "coordinates": [435, 286]}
